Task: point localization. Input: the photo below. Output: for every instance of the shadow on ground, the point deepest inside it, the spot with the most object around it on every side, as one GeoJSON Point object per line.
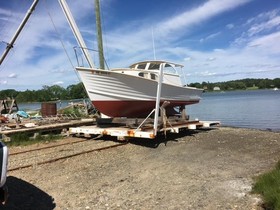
{"type": "Point", "coordinates": [162, 139]}
{"type": "Point", "coordinates": [23, 196]}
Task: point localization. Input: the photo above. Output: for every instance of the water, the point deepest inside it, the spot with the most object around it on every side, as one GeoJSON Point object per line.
{"type": "Point", "coordinates": [258, 109]}
{"type": "Point", "coordinates": [37, 105]}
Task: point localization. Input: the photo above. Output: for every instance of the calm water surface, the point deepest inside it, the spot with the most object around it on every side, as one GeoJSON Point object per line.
{"type": "Point", "coordinates": [258, 109]}
{"type": "Point", "coordinates": [37, 105]}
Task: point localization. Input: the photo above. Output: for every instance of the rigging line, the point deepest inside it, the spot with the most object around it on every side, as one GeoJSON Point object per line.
{"type": "Point", "coordinates": [59, 37]}
{"type": "Point", "coordinates": [62, 43]}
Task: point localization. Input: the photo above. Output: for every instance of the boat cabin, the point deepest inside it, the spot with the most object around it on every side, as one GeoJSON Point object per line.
{"type": "Point", "coordinates": [150, 70]}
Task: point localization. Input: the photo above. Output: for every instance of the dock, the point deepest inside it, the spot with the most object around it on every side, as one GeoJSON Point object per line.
{"type": "Point", "coordinates": [32, 128]}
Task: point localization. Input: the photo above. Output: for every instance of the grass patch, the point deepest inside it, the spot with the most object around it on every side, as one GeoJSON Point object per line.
{"type": "Point", "coordinates": [73, 110]}
{"type": "Point", "coordinates": [252, 88]}
{"type": "Point", "coordinates": [268, 185]}
{"type": "Point", "coordinates": [24, 139]}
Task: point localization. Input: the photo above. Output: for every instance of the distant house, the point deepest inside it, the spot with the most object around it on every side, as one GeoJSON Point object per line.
{"type": "Point", "coordinates": [216, 88]}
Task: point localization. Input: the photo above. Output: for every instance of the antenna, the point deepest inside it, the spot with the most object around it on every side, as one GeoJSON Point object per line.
{"type": "Point", "coordinates": [154, 50]}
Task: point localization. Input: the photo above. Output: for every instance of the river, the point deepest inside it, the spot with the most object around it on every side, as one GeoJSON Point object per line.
{"type": "Point", "coordinates": [259, 109]}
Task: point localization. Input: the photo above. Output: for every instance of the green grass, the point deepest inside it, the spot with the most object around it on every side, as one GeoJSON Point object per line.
{"type": "Point", "coordinates": [77, 111]}
{"type": "Point", "coordinates": [268, 185]}
{"type": "Point", "coordinates": [23, 139]}
{"type": "Point", "coordinates": [252, 88]}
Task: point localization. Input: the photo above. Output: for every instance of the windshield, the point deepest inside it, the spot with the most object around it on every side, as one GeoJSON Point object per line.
{"type": "Point", "coordinates": [169, 69]}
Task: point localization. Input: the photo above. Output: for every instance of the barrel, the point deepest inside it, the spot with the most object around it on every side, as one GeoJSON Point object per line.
{"type": "Point", "coordinates": [48, 109]}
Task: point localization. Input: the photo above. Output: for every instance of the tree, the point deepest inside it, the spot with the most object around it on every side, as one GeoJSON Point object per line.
{"type": "Point", "coordinates": [9, 93]}
{"type": "Point", "coordinates": [276, 82]}
{"type": "Point", "coordinates": [77, 91]}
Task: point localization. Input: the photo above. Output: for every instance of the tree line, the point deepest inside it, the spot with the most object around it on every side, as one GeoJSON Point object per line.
{"type": "Point", "coordinates": [56, 92]}
{"type": "Point", "coordinates": [47, 93]}
{"type": "Point", "coordinates": [242, 84]}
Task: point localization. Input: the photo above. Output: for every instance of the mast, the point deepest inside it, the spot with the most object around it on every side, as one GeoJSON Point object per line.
{"type": "Point", "coordinates": [76, 31]}
{"type": "Point", "coordinates": [99, 34]}
{"type": "Point", "coordinates": [10, 45]}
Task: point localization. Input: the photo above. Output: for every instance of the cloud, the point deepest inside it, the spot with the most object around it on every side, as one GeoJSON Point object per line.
{"type": "Point", "coordinates": [188, 59]}
{"type": "Point", "coordinates": [3, 82]}
{"type": "Point", "coordinates": [199, 14]}
{"type": "Point", "coordinates": [13, 75]}
{"type": "Point", "coordinates": [58, 83]}
{"type": "Point", "coordinates": [230, 26]}
{"type": "Point", "coordinates": [267, 44]}
{"type": "Point", "coordinates": [211, 36]}
{"type": "Point", "coordinates": [211, 59]}
{"type": "Point", "coordinates": [263, 24]}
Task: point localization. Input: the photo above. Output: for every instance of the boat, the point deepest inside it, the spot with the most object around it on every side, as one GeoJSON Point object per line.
{"type": "Point", "coordinates": [131, 92]}
{"type": "Point", "coordinates": [135, 91]}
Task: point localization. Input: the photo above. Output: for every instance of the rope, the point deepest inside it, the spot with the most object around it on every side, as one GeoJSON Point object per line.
{"type": "Point", "coordinates": [62, 43]}
{"type": "Point", "coordinates": [59, 37]}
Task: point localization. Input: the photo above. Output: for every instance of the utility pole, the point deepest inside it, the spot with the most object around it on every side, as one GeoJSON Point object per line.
{"type": "Point", "coordinates": [99, 35]}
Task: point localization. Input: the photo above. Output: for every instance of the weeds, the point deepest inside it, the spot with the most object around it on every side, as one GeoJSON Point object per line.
{"type": "Point", "coordinates": [268, 185]}
{"type": "Point", "coordinates": [24, 139]}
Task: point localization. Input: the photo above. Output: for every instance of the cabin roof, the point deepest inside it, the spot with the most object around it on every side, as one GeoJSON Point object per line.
{"type": "Point", "coordinates": [156, 62]}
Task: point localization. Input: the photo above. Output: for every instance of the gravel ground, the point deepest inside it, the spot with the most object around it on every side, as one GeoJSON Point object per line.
{"type": "Point", "coordinates": [211, 169]}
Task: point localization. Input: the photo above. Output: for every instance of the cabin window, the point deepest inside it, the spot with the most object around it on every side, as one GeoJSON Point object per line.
{"type": "Point", "coordinates": [144, 74]}
{"type": "Point", "coordinates": [169, 69]}
{"type": "Point", "coordinates": [153, 76]}
{"type": "Point", "coordinates": [141, 74]}
{"type": "Point", "coordinates": [141, 66]}
{"type": "Point", "coordinates": [154, 66]}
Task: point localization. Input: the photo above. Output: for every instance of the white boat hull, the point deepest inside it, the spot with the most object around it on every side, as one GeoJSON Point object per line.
{"type": "Point", "coordinates": [120, 95]}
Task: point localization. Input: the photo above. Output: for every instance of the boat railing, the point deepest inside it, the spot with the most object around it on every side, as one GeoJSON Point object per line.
{"type": "Point", "coordinates": [81, 59]}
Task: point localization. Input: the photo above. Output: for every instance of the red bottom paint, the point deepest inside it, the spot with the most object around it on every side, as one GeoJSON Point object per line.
{"type": "Point", "coordinates": [132, 109]}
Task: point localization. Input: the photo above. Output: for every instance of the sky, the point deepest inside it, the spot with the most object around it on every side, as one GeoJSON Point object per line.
{"type": "Point", "coordinates": [215, 40]}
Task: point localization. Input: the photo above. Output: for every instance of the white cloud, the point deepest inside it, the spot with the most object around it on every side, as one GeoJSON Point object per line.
{"type": "Point", "coordinates": [188, 59]}
{"type": "Point", "coordinates": [230, 26]}
{"type": "Point", "coordinates": [199, 14]}
{"type": "Point", "coordinates": [58, 83]}
{"type": "Point", "coordinates": [3, 82]}
{"type": "Point", "coordinates": [13, 75]}
{"type": "Point", "coordinates": [267, 44]}
{"type": "Point", "coordinates": [265, 26]}
{"type": "Point", "coordinates": [211, 36]}
{"type": "Point", "coordinates": [211, 59]}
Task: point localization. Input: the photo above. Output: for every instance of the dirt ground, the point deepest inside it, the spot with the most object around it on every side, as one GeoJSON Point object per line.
{"type": "Point", "coordinates": [212, 169]}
